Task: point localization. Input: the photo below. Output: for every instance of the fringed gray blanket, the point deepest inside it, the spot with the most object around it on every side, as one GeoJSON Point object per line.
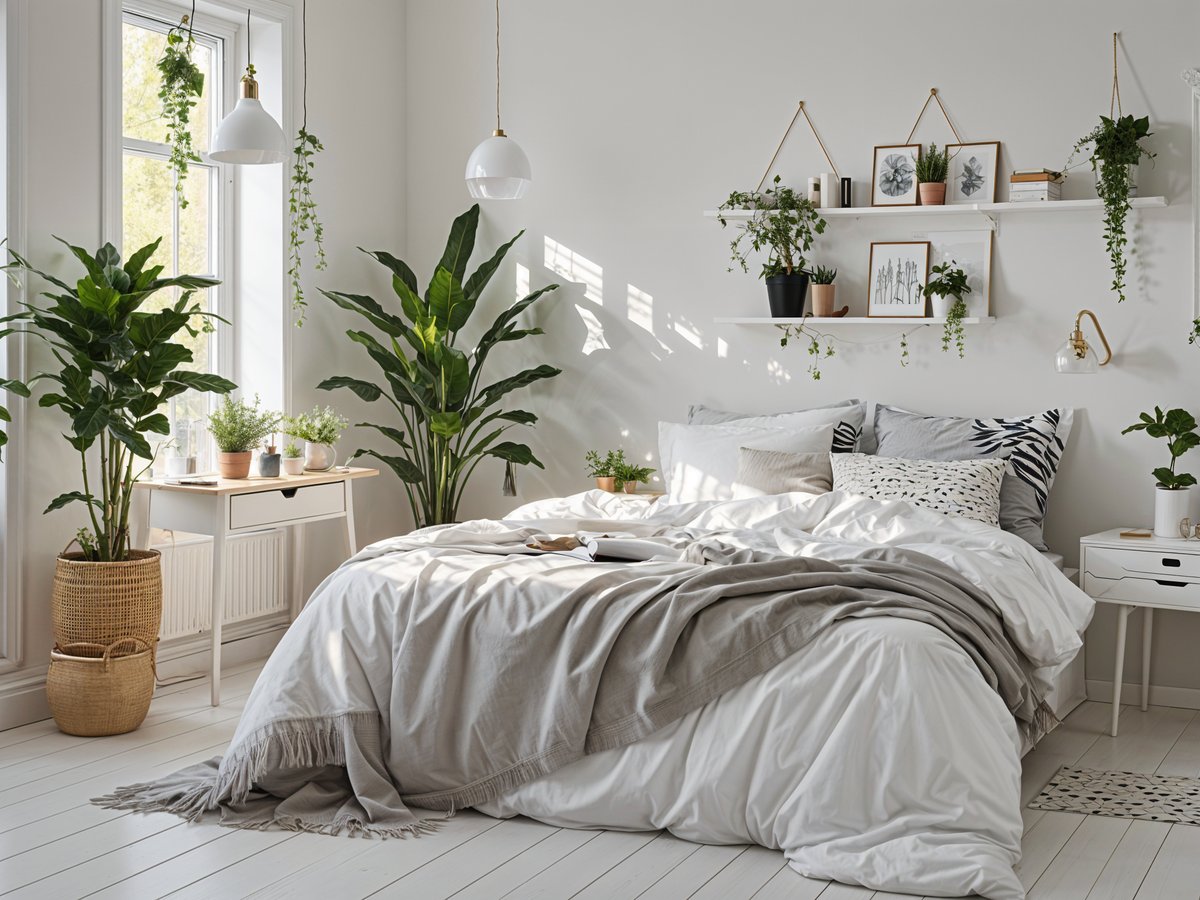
{"type": "Point", "coordinates": [439, 670]}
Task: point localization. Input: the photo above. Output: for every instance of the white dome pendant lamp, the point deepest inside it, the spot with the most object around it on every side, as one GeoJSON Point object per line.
{"type": "Point", "coordinates": [249, 136]}
{"type": "Point", "coordinates": [498, 168]}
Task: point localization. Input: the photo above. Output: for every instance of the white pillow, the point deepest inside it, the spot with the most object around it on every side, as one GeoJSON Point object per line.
{"type": "Point", "coordinates": [700, 462]}
{"type": "Point", "coordinates": [847, 417]}
{"type": "Point", "coordinates": [968, 488]}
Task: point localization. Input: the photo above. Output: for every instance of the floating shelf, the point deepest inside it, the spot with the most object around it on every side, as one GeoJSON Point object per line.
{"type": "Point", "coordinates": [958, 209]}
{"type": "Point", "coordinates": [825, 321]}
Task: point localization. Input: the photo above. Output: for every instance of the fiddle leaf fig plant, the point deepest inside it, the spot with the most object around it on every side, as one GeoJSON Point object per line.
{"type": "Point", "coordinates": [783, 225]}
{"type": "Point", "coordinates": [1178, 428]}
{"type": "Point", "coordinates": [182, 85]}
{"type": "Point", "coordinates": [447, 418]}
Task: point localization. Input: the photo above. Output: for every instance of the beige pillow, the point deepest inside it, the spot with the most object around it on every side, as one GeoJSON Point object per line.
{"type": "Point", "coordinates": [763, 472]}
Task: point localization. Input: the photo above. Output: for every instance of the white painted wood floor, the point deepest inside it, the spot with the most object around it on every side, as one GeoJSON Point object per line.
{"type": "Point", "coordinates": [54, 844]}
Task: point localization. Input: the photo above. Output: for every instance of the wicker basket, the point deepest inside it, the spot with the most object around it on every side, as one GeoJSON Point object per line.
{"type": "Point", "coordinates": [103, 602]}
{"type": "Point", "coordinates": [97, 690]}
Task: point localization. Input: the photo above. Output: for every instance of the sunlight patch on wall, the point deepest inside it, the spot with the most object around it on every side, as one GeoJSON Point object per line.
{"type": "Point", "coordinates": [640, 306]}
{"type": "Point", "coordinates": [522, 282]}
{"type": "Point", "coordinates": [595, 331]}
{"type": "Point", "coordinates": [573, 266]}
{"type": "Point", "coordinates": [722, 348]}
{"type": "Point", "coordinates": [688, 333]}
{"type": "Point", "coordinates": [777, 371]}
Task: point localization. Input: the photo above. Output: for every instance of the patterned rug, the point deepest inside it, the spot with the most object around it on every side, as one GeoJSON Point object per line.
{"type": "Point", "coordinates": [1128, 795]}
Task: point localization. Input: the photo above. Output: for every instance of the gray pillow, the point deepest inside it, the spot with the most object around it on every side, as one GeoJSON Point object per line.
{"type": "Point", "coordinates": [763, 472]}
{"type": "Point", "coordinates": [847, 435]}
{"type": "Point", "coordinates": [1032, 446]}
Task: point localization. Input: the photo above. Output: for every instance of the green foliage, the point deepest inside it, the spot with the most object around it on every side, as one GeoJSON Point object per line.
{"type": "Point", "coordinates": [822, 275]}
{"type": "Point", "coordinates": [182, 84]}
{"type": "Point", "coordinates": [8, 384]}
{"type": "Point", "coordinates": [604, 466]}
{"type": "Point", "coordinates": [933, 166]}
{"type": "Point", "coordinates": [951, 281]}
{"type": "Point", "coordinates": [116, 366]}
{"type": "Point", "coordinates": [817, 351]}
{"type": "Point", "coordinates": [784, 226]}
{"type": "Point", "coordinates": [1116, 145]}
{"type": "Point", "coordinates": [1178, 428]}
{"type": "Point", "coordinates": [627, 473]}
{"type": "Point", "coordinates": [449, 424]}
{"type": "Point", "coordinates": [1195, 332]}
{"type": "Point", "coordinates": [953, 330]}
{"type": "Point", "coordinates": [904, 351]}
{"type": "Point", "coordinates": [321, 426]}
{"type": "Point", "coordinates": [239, 427]}
{"type": "Point", "coordinates": [292, 450]}
{"type": "Point", "coordinates": [303, 211]}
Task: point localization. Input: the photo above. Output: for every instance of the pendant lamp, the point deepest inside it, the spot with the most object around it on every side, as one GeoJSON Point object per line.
{"type": "Point", "coordinates": [498, 168]}
{"type": "Point", "coordinates": [249, 135]}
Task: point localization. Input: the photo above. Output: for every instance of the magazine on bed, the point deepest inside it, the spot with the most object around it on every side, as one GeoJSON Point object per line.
{"type": "Point", "coordinates": [602, 548]}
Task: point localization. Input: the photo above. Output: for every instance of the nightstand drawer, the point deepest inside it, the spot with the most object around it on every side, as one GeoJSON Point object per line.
{"type": "Point", "coordinates": [1110, 562]}
{"type": "Point", "coordinates": [282, 506]}
{"type": "Point", "coordinates": [1160, 592]}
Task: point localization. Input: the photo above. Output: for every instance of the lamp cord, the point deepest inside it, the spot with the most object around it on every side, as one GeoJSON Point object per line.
{"type": "Point", "coordinates": [497, 65]}
{"type": "Point", "coordinates": [191, 20]}
{"type": "Point", "coordinates": [247, 40]}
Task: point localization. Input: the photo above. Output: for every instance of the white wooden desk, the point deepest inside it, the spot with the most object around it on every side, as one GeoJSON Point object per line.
{"type": "Point", "coordinates": [235, 506]}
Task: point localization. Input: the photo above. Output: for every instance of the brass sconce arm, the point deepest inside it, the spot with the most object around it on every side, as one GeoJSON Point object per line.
{"type": "Point", "coordinates": [1080, 345]}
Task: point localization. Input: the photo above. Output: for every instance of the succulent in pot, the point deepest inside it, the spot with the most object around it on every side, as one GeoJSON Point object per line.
{"type": "Point", "coordinates": [932, 169]}
{"type": "Point", "coordinates": [824, 291]}
{"type": "Point", "coordinates": [604, 468]}
{"type": "Point", "coordinates": [946, 290]}
{"type": "Point", "coordinates": [1173, 489]}
{"type": "Point", "coordinates": [320, 430]}
{"type": "Point", "coordinates": [238, 427]}
{"type": "Point", "coordinates": [293, 459]}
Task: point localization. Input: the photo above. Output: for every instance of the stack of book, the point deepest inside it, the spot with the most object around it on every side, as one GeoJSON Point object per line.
{"type": "Point", "coordinates": [1028, 185]}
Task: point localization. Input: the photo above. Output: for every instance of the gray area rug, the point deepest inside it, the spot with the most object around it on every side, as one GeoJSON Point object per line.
{"type": "Point", "coordinates": [1127, 795]}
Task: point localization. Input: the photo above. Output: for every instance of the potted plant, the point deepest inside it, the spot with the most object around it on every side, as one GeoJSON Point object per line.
{"type": "Point", "coordinates": [320, 430]}
{"type": "Point", "coordinates": [293, 459]}
{"type": "Point", "coordinates": [629, 475]}
{"type": "Point", "coordinates": [824, 291]}
{"type": "Point", "coordinates": [945, 291]}
{"type": "Point", "coordinates": [783, 225]}
{"type": "Point", "coordinates": [932, 168]}
{"type": "Point", "coordinates": [182, 84]}
{"type": "Point", "coordinates": [1116, 152]}
{"type": "Point", "coordinates": [451, 417]}
{"type": "Point", "coordinates": [1172, 489]}
{"type": "Point", "coordinates": [604, 468]}
{"type": "Point", "coordinates": [238, 427]}
{"type": "Point", "coordinates": [268, 460]}
{"type": "Point", "coordinates": [116, 365]}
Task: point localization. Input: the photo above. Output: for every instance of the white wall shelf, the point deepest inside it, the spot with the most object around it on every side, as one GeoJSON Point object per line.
{"type": "Point", "coordinates": [958, 209]}
{"type": "Point", "coordinates": [830, 321]}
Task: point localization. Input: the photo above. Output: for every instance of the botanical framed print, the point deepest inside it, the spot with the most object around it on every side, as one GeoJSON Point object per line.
{"type": "Point", "coordinates": [971, 251]}
{"type": "Point", "coordinates": [894, 175]}
{"type": "Point", "coordinates": [898, 274]}
{"type": "Point", "coordinates": [973, 171]}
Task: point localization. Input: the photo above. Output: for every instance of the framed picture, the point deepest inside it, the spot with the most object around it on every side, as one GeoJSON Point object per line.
{"type": "Point", "coordinates": [899, 272]}
{"type": "Point", "coordinates": [894, 175]}
{"type": "Point", "coordinates": [972, 252]}
{"type": "Point", "coordinates": [973, 170]}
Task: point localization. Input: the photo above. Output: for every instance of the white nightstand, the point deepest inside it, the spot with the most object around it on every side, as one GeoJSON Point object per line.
{"type": "Point", "coordinates": [1151, 573]}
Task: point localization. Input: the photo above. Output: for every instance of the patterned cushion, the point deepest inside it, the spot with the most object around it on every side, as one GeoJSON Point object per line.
{"type": "Point", "coordinates": [847, 416]}
{"type": "Point", "coordinates": [967, 488]}
{"type": "Point", "coordinates": [1032, 445]}
{"type": "Point", "coordinates": [763, 472]}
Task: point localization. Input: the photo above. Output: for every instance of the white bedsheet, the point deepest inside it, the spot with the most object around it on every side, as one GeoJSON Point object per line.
{"type": "Point", "coordinates": [877, 755]}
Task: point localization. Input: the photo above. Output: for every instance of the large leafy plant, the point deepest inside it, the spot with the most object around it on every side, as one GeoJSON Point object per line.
{"type": "Point", "coordinates": [182, 83]}
{"type": "Point", "coordinates": [117, 365]}
{"type": "Point", "coordinates": [783, 225]}
{"type": "Point", "coordinates": [8, 384]}
{"type": "Point", "coordinates": [450, 419]}
{"type": "Point", "coordinates": [1178, 428]}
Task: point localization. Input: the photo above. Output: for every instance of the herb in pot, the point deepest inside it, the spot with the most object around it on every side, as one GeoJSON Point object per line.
{"type": "Point", "coordinates": [239, 427]}
{"type": "Point", "coordinates": [321, 426]}
{"type": "Point", "coordinates": [784, 226]}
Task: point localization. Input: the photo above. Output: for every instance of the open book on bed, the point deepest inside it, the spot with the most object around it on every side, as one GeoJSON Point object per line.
{"type": "Point", "coordinates": [602, 548]}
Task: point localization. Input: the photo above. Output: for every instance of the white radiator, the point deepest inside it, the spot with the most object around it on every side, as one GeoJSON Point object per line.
{"type": "Point", "coordinates": [254, 579]}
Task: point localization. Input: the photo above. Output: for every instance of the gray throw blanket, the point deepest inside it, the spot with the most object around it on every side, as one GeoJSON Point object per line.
{"type": "Point", "coordinates": [444, 674]}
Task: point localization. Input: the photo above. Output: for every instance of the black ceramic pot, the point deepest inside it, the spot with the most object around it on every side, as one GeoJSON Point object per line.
{"type": "Point", "coordinates": [786, 294]}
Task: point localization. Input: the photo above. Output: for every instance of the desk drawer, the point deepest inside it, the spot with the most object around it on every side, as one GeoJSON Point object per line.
{"type": "Point", "coordinates": [1111, 562]}
{"type": "Point", "coordinates": [283, 506]}
{"type": "Point", "coordinates": [1162, 592]}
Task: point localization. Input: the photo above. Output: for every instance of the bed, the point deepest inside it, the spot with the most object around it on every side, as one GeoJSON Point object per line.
{"type": "Point", "coordinates": [874, 752]}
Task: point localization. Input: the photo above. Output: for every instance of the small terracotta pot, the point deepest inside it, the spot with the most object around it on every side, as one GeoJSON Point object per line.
{"type": "Point", "coordinates": [933, 193]}
{"type": "Point", "coordinates": [234, 465]}
{"type": "Point", "coordinates": [630, 487]}
{"type": "Point", "coordinates": [607, 484]}
{"type": "Point", "coordinates": [823, 299]}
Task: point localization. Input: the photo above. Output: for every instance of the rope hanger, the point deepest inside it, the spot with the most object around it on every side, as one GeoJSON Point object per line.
{"type": "Point", "coordinates": [933, 95]}
{"type": "Point", "coordinates": [1115, 100]}
{"type": "Point", "coordinates": [813, 128]}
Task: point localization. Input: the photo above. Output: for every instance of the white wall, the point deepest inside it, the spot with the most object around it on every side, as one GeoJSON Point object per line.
{"type": "Point", "coordinates": [360, 192]}
{"type": "Point", "coordinates": [636, 116]}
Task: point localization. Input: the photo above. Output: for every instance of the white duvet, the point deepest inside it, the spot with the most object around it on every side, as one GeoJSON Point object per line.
{"type": "Point", "coordinates": [877, 755]}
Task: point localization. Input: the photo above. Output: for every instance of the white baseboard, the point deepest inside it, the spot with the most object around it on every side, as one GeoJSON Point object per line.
{"type": "Point", "coordinates": [23, 694]}
{"type": "Point", "coordinates": [1160, 695]}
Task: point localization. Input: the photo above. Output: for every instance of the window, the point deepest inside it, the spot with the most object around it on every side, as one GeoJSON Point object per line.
{"type": "Point", "coordinates": [194, 236]}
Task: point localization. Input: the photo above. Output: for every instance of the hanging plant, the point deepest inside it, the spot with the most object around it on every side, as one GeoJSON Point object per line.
{"type": "Point", "coordinates": [181, 87]}
{"type": "Point", "coordinates": [301, 205]}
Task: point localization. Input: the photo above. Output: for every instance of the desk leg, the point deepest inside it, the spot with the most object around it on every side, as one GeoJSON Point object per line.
{"type": "Point", "coordinates": [218, 596]}
{"type": "Point", "coordinates": [297, 570]}
{"type": "Point", "coordinates": [1119, 664]}
{"type": "Point", "coordinates": [351, 543]}
{"type": "Point", "coordinates": [1147, 633]}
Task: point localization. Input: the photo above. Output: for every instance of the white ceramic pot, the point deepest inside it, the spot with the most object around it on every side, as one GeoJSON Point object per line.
{"type": "Point", "coordinates": [941, 306]}
{"type": "Point", "coordinates": [180, 465]}
{"type": "Point", "coordinates": [1170, 508]}
{"type": "Point", "coordinates": [293, 465]}
{"type": "Point", "coordinates": [319, 457]}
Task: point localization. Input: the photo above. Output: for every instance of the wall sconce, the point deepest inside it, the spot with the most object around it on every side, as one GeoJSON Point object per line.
{"type": "Point", "coordinates": [1076, 357]}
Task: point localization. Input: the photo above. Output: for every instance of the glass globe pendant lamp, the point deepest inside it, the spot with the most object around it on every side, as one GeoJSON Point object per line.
{"type": "Point", "coordinates": [498, 168]}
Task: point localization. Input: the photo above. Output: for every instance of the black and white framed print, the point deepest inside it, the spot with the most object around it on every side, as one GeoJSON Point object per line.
{"type": "Point", "coordinates": [894, 175]}
{"type": "Point", "coordinates": [973, 171]}
{"type": "Point", "coordinates": [898, 275]}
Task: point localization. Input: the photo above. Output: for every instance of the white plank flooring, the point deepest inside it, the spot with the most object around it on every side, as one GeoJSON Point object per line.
{"type": "Point", "coordinates": [54, 844]}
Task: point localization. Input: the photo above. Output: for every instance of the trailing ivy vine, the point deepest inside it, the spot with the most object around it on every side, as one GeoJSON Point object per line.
{"type": "Point", "coordinates": [181, 87]}
{"type": "Point", "coordinates": [301, 205]}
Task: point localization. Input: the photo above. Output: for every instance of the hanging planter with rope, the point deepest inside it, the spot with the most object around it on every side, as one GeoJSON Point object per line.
{"type": "Point", "coordinates": [301, 205]}
{"type": "Point", "coordinates": [181, 87]}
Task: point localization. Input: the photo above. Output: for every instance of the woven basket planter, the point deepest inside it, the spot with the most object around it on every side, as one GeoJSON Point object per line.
{"type": "Point", "coordinates": [97, 690]}
{"type": "Point", "coordinates": [104, 602]}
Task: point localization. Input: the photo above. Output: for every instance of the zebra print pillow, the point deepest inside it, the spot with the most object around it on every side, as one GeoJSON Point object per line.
{"type": "Point", "coordinates": [1031, 445]}
{"type": "Point", "coordinates": [847, 418]}
{"type": "Point", "coordinates": [969, 488]}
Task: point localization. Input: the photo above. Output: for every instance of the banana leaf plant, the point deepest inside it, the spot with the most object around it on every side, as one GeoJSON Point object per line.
{"type": "Point", "coordinates": [450, 418]}
{"type": "Point", "coordinates": [117, 365]}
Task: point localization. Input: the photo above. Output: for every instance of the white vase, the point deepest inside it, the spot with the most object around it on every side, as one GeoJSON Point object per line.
{"type": "Point", "coordinates": [1170, 508]}
{"type": "Point", "coordinates": [941, 306]}
{"type": "Point", "coordinates": [319, 457]}
{"type": "Point", "coordinates": [293, 465]}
